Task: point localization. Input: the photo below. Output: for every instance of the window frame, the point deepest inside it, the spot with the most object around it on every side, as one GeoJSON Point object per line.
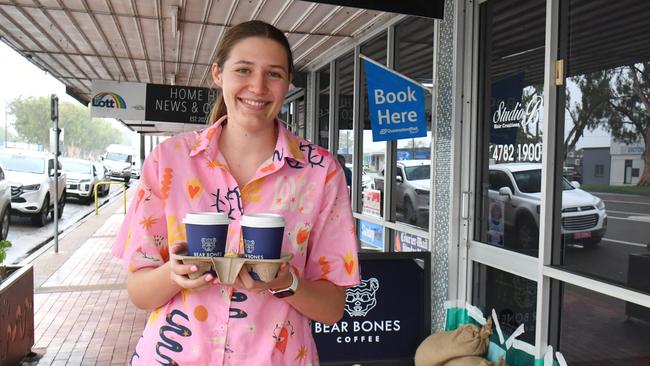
{"type": "Point", "coordinates": [540, 270]}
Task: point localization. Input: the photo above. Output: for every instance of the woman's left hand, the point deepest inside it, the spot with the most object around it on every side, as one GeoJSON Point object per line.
{"type": "Point", "coordinates": [282, 280]}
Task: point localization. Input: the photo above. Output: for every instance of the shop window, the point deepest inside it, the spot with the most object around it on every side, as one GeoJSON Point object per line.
{"type": "Point", "coordinates": [510, 123]}
{"type": "Point", "coordinates": [606, 82]}
{"type": "Point", "coordinates": [344, 87]}
{"type": "Point", "coordinates": [598, 330]}
{"type": "Point", "coordinates": [374, 153]}
{"type": "Point", "coordinates": [414, 58]}
{"type": "Point", "coordinates": [513, 298]}
{"type": "Point", "coordinates": [322, 137]}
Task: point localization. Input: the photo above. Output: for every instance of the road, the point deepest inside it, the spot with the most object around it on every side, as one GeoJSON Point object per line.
{"type": "Point", "coordinates": [26, 238]}
{"type": "Point", "coordinates": [628, 232]}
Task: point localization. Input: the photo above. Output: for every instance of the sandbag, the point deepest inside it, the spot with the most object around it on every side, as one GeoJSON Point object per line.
{"type": "Point", "coordinates": [468, 361]}
{"type": "Point", "coordinates": [474, 361]}
{"type": "Point", "coordinates": [466, 340]}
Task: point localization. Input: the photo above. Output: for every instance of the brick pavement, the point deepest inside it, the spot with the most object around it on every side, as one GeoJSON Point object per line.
{"type": "Point", "coordinates": [82, 314]}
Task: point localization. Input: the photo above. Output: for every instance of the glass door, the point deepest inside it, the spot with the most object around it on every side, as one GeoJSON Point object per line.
{"type": "Point", "coordinates": [505, 171]}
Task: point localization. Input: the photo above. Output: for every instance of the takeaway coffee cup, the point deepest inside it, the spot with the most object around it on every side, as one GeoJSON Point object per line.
{"type": "Point", "coordinates": [206, 233]}
{"type": "Point", "coordinates": [262, 234]}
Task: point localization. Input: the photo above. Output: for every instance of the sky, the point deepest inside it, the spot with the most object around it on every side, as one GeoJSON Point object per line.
{"type": "Point", "coordinates": [22, 78]}
{"type": "Point", "coordinates": [19, 77]}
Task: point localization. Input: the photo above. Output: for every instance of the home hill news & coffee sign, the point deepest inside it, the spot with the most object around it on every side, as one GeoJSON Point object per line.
{"type": "Point", "coordinates": [151, 102]}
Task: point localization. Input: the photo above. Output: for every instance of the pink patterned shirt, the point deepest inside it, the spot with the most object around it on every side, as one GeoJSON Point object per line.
{"type": "Point", "coordinates": [221, 325]}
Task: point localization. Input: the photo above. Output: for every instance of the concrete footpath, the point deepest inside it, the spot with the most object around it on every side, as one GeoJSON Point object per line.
{"type": "Point", "coordinates": [82, 314]}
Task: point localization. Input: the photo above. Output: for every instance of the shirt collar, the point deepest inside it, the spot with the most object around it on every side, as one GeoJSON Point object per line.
{"type": "Point", "coordinates": [288, 146]}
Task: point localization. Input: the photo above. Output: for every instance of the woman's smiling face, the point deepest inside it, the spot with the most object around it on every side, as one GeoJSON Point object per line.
{"type": "Point", "coordinates": [254, 80]}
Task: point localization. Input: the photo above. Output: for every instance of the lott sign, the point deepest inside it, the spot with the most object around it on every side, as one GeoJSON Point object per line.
{"type": "Point", "coordinates": [396, 104]}
{"type": "Point", "coordinates": [118, 100]}
{"type": "Point", "coordinates": [151, 102]}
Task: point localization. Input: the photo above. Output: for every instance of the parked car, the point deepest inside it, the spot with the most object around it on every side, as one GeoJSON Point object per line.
{"type": "Point", "coordinates": [5, 205]}
{"type": "Point", "coordinates": [31, 175]}
{"type": "Point", "coordinates": [412, 187]}
{"type": "Point", "coordinates": [118, 159]}
{"type": "Point", "coordinates": [583, 221]}
{"type": "Point", "coordinates": [366, 181]}
{"type": "Point", "coordinates": [135, 172]}
{"type": "Point", "coordinates": [102, 176]}
{"type": "Point", "coordinates": [81, 178]}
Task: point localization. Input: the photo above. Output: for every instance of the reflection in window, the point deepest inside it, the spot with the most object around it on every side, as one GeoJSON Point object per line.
{"type": "Point", "coordinates": [598, 330]}
{"type": "Point", "coordinates": [606, 114]}
{"type": "Point", "coordinates": [414, 58]}
{"type": "Point", "coordinates": [374, 153]}
{"type": "Point", "coordinates": [344, 87]}
{"type": "Point", "coordinates": [405, 242]}
{"type": "Point", "coordinates": [513, 298]}
{"type": "Point", "coordinates": [511, 70]}
{"type": "Point", "coordinates": [322, 139]}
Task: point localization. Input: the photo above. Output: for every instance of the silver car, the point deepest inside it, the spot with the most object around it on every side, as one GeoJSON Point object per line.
{"type": "Point", "coordinates": [81, 178]}
{"type": "Point", "coordinates": [411, 192]}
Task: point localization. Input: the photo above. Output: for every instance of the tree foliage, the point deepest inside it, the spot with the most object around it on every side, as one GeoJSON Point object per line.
{"type": "Point", "coordinates": [83, 136]}
{"type": "Point", "coordinates": [628, 109]}
{"type": "Point", "coordinates": [586, 114]}
{"type": "Point", "coordinates": [617, 100]}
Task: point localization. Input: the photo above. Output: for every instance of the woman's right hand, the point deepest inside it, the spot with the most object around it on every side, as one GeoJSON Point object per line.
{"type": "Point", "coordinates": [179, 272]}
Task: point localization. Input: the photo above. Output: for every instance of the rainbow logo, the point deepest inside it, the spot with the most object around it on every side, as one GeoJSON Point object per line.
{"type": "Point", "coordinates": [108, 100]}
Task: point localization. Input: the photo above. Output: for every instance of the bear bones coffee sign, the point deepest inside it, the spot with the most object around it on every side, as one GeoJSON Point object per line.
{"type": "Point", "coordinates": [382, 318]}
{"type": "Point", "coordinates": [359, 302]}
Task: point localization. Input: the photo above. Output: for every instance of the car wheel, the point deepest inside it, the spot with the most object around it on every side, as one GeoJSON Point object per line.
{"type": "Point", "coordinates": [409, 212]}
{"type": "Point", "coordinates": [61, 206]}
{"type": "Point", "coordinates": [91, 198]}
{"type": "Point", "coordinates": [40, 218]}
{"type": "Point", "coordinates": [527, 234]}
{"type": "Point", "coordinates": [4, 224]}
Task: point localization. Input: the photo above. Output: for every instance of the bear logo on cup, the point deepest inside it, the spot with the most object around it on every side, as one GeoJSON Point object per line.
{"type": "Point", "coordinates": [208, 244]}
{"type": "Point", "coordinates": [249, 246]}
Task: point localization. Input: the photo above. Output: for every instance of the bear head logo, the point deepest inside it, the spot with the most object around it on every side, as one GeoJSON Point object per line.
{"type": "Point", "coordinates": [360, 299]}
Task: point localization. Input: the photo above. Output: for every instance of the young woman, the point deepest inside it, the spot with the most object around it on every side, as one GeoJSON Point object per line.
{"type": "Point", "coordinates": [245, 162]}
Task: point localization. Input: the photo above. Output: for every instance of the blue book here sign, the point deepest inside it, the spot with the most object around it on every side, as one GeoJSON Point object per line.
{"type": "Point", "coordinates": [396, 104]}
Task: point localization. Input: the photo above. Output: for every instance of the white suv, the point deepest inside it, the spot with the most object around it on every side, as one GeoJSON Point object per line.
{"type": "Point", "coordinates": [81, 177]}
{"type": "Point", "coordinates": [518, 186]}
{"type": "Point", "coordinates": [31, 175]}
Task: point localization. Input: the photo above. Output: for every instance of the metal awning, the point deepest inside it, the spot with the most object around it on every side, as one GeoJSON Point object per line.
{"type": "Point", "coordinates": [162, 41]}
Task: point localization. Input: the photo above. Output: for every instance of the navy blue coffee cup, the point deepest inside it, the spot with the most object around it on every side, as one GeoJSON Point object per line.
{"type": "Point", "coordinates": [206, 233]}
{"type": "Point", "coordinates": [262, 235]}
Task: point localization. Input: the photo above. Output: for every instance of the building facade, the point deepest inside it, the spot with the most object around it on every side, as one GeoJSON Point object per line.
{"type": "Point", "coordinates": [515, 85]}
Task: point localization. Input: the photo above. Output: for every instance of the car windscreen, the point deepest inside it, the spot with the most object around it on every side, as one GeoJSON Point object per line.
{"type": "Point", "coordinates": [77, 167]}
{"type": "Point", "coordinates": [117, 156]}
{"type": "Point", "coordinates": [530, 181]}
{"type": "Point", "coordinates": [24, 164]}
{"type": "Point", "coordinates": [417, 172]}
